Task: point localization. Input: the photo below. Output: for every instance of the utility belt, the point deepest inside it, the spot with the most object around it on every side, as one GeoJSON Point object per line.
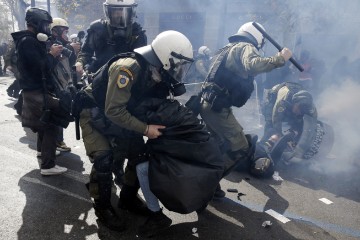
{"type": "Point", "coordinates": [216, 96]}
{"type": "Point", "coordinates": [106, 127]}
{"type": "Point", "coordinates": [82, 101]}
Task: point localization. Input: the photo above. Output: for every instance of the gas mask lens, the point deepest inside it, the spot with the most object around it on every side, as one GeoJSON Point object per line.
{"type": "Point", "coordinates": [119, 17]}
{"type": "Point", "coordinates": [179, 70]}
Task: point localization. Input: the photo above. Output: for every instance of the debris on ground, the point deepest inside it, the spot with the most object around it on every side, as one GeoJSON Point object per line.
{"type": "Point", "coordinates": [233, 190]}
{"type": "Point", "coordinates": [277, 177]}
{"type": "Point", "coordinates": [266, 224]}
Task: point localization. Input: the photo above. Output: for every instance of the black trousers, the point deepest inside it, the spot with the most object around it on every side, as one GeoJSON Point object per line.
{"type": "Point", "coordinates": [46, 144]}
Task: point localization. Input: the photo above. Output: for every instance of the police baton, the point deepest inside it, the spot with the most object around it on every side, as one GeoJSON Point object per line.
{"type": "Point", "coordinates": [77, 128]}
{"type": "Point", "coordinates": [292, 60]}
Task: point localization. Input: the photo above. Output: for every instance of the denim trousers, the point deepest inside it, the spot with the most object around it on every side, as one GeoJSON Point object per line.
{"type": "Point", "coordinates": [142, 171]}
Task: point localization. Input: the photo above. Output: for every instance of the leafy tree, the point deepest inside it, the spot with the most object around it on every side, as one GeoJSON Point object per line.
{"type": "Point", "coordinates": [16, 8]}
{"type": "Point", "coordinates": [80, 13]}
{"type": "Point", "coordinates": [6, 26]}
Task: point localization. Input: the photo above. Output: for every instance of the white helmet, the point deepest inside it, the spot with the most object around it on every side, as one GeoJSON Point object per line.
{"type": "Point", "coordinates": [255, 35]}
{"type": "Point", "coordinates": [204, 50]}
{"type": "Point", "coordinates": [73, 36]}
{"type": "Point", "coordinates": [59, 22]}
{"type": "Point", "coordinates": [120, 13]}
{"type": "Point", "coordinates": [170, 50]}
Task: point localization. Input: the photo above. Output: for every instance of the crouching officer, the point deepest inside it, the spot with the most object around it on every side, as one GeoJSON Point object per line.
{"type": "Point", "coordinates": [100, 138]}
{"type": "Point", "coordinates": [153, 72]}
{"type": "Point", "coordinates": [285, 102]}
{"type": "Point", "coordinates": [230, 83]}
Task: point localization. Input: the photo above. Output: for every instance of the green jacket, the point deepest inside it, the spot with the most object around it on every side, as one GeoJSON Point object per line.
{"type": "Point", "coordinates": [245, 60]}
{"type": "Point", "coordinates": [123, 74]}
{"type": "Point", "coordinates": [282, 110]}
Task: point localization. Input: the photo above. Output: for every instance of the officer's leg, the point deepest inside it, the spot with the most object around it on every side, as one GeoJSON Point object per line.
{"type": "Point", "coordinates": [118, 166]}
{"type": "Point", "coordinates": [226, 127]}
{"type": "Point", "coordinates": [102, 166]}
{"type": "Point", "coordinates": [98, 149]}
{"type": "Point", "coordinates": [229, 133]}
{"type": "Point", "coordinates": [134, 148]}
{"type": "Point", "coordinates": [267, 112]}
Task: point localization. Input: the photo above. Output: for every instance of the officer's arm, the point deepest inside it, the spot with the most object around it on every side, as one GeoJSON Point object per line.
{"type": "Point", "coordinates": [277, 117]}
{"type": "Point", "coordinates": [87, 50]}
{"type": "Point", "coordinates": [255, 64]}
{"type": "Point", "coordinates": [117, 98]}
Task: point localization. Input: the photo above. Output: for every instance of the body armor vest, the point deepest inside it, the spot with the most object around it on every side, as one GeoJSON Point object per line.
{"type": "Point", "coordinates": [140, 90]}
{"type": "Point", "coordinates": [292, 86]}
{"type": "Point", "coordinates": [107, 45]}
{"type": "Point", "coordinates": [232, 89]}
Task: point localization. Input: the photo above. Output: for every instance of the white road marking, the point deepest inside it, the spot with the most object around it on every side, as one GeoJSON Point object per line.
{"type": "Point", "coordinates": [326, 201]}
{"type": "Point", "coordinates": [224, 216]}
{"type": "Point", "coordinates": [277, 216]}
{"type": "Point", "coordinates": [37, 181]}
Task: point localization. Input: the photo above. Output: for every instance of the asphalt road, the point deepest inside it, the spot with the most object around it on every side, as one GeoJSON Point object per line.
{"type": "Point", "coordinates": [59, 207]}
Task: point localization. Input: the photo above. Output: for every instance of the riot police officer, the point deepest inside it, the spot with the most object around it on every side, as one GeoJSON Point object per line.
{"type": "Point", "coordinates": [286, 102]}
{"type": "Point", "coordinates": [135, 80]}
{"type": "Point", "coordinates": [202, 63]}
{"type": "Point", "coordinates": [118, 33]}
{"type": "Point", "coordinates": [230, 83]}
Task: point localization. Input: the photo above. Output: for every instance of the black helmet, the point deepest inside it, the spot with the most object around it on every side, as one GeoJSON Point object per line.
{"type": "Point", "coordinates": [305, 101]}
{"type": "Point", "coordinates": [39, 19]}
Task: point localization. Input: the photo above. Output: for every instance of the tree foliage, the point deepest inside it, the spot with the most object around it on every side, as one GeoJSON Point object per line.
{"type": "Point", "coordinates": [14, 10]}
{"type": "Point", "coordinates": [5, 24]}
{"type": "Point", "coordinates": [80, 13]}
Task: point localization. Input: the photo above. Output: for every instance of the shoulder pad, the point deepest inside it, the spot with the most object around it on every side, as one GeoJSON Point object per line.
{"type": "Point", "coordinates": [129, 65]}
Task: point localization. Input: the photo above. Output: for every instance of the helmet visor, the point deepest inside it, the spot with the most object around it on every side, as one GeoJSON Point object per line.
{"type": "Point", "coordinates": [179, 70]}
{"type": "Point", "coordinates": [119, 17]}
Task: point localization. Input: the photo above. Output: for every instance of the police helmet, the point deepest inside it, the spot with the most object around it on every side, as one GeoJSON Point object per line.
{"type": "Point", "coordinates": [304, 100]}
{"type": "Point", "coordinates": [39, 19]}
{"type": "Point", "coordinates": [120, 14]}
{"type": "Point", "coordinates": [170, 50]}
{"type": "Point", "coordinates": [74, 37]}
{"type": "Point", "coordinates": [248, 31]}
{"type": "Point", "coordinates": [204, 50]}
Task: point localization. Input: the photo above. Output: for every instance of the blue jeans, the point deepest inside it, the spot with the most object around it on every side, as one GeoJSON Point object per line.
{"type": "Point", "coordinates": [142, 171]}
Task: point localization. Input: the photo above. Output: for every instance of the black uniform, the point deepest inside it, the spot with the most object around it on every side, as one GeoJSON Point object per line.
{"type": "Point", "coordinates": [101, 43]}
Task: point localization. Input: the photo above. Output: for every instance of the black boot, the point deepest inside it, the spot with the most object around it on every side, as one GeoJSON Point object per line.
{"type": "Point", "coordinates": [218, 192]}
{"type": "Point", "coordinates": [130, 201]}
{"type": "Point", "coordinates": [108, 217]}
{"type": "Point", "coordinates": [118, 170]}
{"type": "Point", "coordinates": [154, 224]}
{"type": "Point", "coordinates": [102, 206]}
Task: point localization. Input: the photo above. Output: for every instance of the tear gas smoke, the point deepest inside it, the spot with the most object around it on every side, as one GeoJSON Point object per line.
{"type": "Point", "coordinates": [338, 106]}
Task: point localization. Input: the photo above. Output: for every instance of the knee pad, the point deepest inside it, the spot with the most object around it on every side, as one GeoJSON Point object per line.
{"type": "Point", "coordinates": [103, 162]}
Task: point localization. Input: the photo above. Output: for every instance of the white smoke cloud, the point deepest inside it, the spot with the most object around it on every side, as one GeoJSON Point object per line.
{"type": "Point", "coordinates": [339, 107]}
